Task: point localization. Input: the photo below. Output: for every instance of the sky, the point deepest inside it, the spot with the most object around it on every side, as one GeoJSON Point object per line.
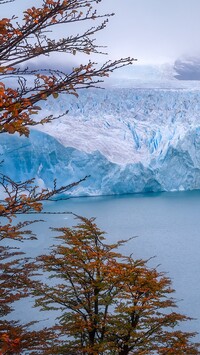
{"type": "Point", "coordinates": [153, 31]}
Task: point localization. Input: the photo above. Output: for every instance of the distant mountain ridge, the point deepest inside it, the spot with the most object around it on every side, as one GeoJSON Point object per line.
{"type": "Point", "coordinates": [183, 69]}
{"type": "Point", "coordinates": [187, 68]}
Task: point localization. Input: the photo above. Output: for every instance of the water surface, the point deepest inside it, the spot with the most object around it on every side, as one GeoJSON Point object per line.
{"type": "Point", "coordinates": [167, 226]}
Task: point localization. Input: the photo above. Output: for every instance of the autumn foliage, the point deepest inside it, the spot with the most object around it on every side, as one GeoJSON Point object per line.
{"type": "Point", "coordinates": [29, 37]}
{"type": "Point", "coordinates": [109, 303]}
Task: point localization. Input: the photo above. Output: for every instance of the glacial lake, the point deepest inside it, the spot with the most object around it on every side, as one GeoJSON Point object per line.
{"type": "Point", "coordinates": [166, 226]}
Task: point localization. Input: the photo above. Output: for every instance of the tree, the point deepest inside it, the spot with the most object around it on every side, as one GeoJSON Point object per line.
{"type": "Point", "coordinates": [17, 270]}
{"type": "Point", "coordinates": [110, 303]}
{"type": "Point", "coordinates": [21, 89]}
{"type": "Point", "coordinates": [30, 38]}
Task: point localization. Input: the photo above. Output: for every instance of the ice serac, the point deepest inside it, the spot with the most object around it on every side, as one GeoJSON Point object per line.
{"type": "Point", "coordinates": [43, 157]}
{"type": "Point", "coordinates": [127, 140]}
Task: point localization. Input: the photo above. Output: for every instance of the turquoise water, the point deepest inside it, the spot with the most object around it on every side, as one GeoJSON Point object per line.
{"type": "Point", "coordinates": [167, 226]}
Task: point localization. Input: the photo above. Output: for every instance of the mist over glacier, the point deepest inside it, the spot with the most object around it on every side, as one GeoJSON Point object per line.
{"type": "Point", "coordinates": [128, 140]}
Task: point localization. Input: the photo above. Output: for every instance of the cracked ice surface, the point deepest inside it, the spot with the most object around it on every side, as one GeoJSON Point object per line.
{"type": "Point", "coordinates": [127, 139]}
{"type": "Point", "coordinates": [125, 125]}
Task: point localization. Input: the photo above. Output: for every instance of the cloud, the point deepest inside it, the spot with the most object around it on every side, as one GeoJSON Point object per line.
{"type": "Point", "coordinates": [55, 62]}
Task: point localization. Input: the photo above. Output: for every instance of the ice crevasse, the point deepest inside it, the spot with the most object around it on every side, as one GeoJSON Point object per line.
{"type": "Point", "coordinates": [128, 140]}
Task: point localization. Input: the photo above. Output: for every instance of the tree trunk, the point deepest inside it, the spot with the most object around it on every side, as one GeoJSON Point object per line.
{"type": "Point", "coordinates": [124, 351]}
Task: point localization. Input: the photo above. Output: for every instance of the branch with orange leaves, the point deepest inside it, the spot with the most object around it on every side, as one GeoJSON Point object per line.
{"type": "Point", "coordinates": [25, 197]}
{"type": "Point", "coordinates": [18, 339]}
{"type": "Point", "coordinates": [18, 106]}
{"type": "Point", "coordinates": [31, 36]}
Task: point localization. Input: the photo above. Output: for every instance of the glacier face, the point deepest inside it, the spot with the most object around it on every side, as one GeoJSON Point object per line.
{"type": "Point", "coordinates": [127, 139]}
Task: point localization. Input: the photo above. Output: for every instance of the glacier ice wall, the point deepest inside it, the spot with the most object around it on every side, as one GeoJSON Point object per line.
{"type": "Point", "coordinates": [127, 140]}
{"type": "Point", "coordinates": [43, 157]}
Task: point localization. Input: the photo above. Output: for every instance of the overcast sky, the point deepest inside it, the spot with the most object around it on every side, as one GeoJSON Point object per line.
{"type": "Point", "coordinates": [153, 31]}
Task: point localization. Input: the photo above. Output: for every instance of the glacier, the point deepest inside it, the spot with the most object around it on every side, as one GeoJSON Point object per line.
{"type": "Point", "coordinates": [127, 139]}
